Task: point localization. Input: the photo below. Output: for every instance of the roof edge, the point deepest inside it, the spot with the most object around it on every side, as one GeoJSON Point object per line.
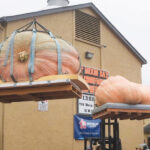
{"type": "Point", "coordinates": [45, 12]}
{"type": "Point", "coordinates": [73, 7]}
{"type": "Point", "coordinates": [121, 37]}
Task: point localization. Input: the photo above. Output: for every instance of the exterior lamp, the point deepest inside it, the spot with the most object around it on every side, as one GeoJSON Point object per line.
{"type": "Point", "coordinates": [89, 55]}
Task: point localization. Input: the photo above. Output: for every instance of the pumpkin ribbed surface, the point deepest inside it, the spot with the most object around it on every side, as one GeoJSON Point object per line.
{"type": "Point", "coordinates": [117, 89]}
{"type": "Point", "coordinates": [45, 62]}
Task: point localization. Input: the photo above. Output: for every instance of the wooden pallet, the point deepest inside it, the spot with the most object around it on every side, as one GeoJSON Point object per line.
{"type": "Point", "coordinates": [122, 114]}
{"type": "Point", "coordinates": [51, 87]}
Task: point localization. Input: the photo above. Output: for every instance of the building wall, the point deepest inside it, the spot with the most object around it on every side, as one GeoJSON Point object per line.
{"type": "Point", "coordinates": [118, 60]}
{"type": "Point", "coordinates": [95, 62]}
{"type": "Point", "coordinates": [1, 125]}
{"type": "Point", "coordinates": [2, 32]}
{"type": "Point", "coordinates": [27, 128]}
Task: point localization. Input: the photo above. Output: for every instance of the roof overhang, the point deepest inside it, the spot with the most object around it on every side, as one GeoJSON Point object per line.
{"type": "Point", "coordinates": [74, 7]}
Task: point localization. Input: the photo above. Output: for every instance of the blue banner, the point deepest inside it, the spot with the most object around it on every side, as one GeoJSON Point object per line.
{"type": "Point", "coordinates": [86, 127]}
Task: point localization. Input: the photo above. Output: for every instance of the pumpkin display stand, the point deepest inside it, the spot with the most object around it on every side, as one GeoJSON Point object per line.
{"type": "Point", "coordinates": [118, 98]}
{"type": "Point", "coordinates": [109, 114]}
{"type": "Point", "coordinates": [35, 65]}
{"type": "Point", "coordinates": [51, 87]}
{"type": "Point", "coordinates": [122, 111]}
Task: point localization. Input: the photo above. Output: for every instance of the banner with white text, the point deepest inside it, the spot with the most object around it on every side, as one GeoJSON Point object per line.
{"type": "Point", "coordinates": [86, 127]}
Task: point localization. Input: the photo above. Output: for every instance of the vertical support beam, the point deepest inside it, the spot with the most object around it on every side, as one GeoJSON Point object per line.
{"type": "Point", "coordinates": [91, 148]}
{"type": "Point", "coordinates": [116, 135]}
{"type": "Point", "coordinates": [85, 144]}
{"type": "Point", "coordinates": [109, 134]}
{"type": "Point", "coordinates": [118, 138]}
{"type": "Point", "coordinates": [103, 134]}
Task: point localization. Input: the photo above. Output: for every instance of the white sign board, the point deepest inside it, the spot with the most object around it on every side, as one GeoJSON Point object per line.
{"type": "Point", "coordinates": [43, 105]}
{"type": "Point", "coordinates": [86, 104]}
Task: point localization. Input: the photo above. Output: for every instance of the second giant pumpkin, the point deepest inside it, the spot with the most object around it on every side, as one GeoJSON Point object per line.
{"type": "Point", "coordinates": [117, 89]}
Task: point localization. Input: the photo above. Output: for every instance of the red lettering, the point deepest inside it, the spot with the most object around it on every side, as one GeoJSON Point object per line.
{"type": "Point", "coordinates": [102, 74]}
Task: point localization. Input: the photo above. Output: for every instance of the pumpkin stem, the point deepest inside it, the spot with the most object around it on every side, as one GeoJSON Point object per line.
{"type": "Point", "coordinates": [23, 56]}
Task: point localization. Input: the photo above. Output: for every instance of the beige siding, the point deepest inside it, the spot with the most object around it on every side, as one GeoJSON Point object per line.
{"type": "Point", "coordinates": [1, 125]}
{"type": "Point", "coordinates": [58, 24]}
{"type": "Point", "coordinates": [118, 60]}
{"type": "Point", "coordinates": [82, 47]}
{"type": "Point", "coordinates": [1, 33]}
{"type": "Point", "coordinates": [27, 128]}
{"type": "Point", "coordinates": [89, 11]}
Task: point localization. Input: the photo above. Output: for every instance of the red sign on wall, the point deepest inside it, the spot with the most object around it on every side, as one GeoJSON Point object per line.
{"type": "Point", "coordinates": [93, 77]}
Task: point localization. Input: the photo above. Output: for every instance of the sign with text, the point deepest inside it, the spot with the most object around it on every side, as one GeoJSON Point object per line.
{"type": "Point", "coordinates": [93, 77]}
{"type": "Point", "coordinates": [86, 104]}
{"type": "Point", "coordinates": [43, 105]}
{"type": "Point", "coordinates": [86, 127]}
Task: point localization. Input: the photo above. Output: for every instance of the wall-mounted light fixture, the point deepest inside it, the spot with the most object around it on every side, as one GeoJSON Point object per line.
{"type": "Point", "coordinates": [103, 46]}
{"type": "Point", "coordinates": [89, 55]}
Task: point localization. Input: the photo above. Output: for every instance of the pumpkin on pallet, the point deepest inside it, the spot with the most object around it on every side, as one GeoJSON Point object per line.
{"type": "Point", "coordinates": [29, 54]}
{"type": "Point", "coordinates": [117, 89]}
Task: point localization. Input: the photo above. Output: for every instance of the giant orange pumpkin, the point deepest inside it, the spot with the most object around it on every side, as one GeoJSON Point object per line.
{"type": "Point", "coordinates": [117, 89]}
{"type": "Point", "coordinates": [45, 62]}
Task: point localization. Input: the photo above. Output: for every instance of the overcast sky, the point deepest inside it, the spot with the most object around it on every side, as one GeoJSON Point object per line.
{"type": "Point", "coordinates": [130, 17]}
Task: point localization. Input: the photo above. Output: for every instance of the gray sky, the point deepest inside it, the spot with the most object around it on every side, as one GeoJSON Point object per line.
{"type": "Point", "coordinates": [130, 17]}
